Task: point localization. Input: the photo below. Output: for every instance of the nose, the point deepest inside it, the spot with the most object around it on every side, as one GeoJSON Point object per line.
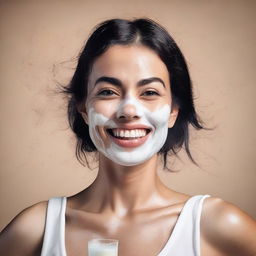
{"type": "Point", "coordinates": [127, 110]}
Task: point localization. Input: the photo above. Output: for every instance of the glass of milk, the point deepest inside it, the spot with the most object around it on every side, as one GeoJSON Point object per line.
{"type": "Point", "coordinates": [103, 247]}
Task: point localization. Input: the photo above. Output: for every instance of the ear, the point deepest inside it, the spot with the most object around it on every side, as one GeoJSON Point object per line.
{"type": "Point", "coordinates": [173, 116]}
{"type": "Point", "coordinates": [82, 110]}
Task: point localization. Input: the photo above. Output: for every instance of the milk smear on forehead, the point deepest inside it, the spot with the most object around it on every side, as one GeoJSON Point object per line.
{"type": "Point", "coordinates": [157, 121]}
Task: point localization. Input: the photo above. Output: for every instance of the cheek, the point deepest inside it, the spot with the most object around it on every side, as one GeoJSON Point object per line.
{"type": "Point", "coordinates": [160, 117]}
{"type": "Point", "coordinates": [97, 123]}
{"type": "Point", "coordinates": [154, 106]}
{"type": "Point", "coordinates": [106, 108]}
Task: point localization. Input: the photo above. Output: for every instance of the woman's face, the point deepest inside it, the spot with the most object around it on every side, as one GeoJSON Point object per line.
{"type": "Point", "coordinates": [128, 107]}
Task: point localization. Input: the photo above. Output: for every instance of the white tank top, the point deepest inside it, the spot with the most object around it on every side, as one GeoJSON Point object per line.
{"type": "Point", "coordinates": [184, 240]}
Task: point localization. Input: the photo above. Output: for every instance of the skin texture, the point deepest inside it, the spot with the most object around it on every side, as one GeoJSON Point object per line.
{"type": "Point", "coordinates": [147, 104]}
{"type": "Point", "coordinates": [131, 199]}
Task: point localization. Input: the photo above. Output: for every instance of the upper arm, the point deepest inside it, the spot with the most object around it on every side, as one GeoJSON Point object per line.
{"type": "Point", "coordinates": [228, 229]}
{"type": "Point", "coordinates": [24, 234]}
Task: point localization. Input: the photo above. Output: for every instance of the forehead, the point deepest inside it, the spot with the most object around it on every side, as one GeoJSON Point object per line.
{"type": "Point", "coordinates": [128, 63]}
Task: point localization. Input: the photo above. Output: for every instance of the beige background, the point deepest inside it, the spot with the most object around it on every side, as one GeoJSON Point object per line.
{"type": "Point", "coordinates": [39, 40]}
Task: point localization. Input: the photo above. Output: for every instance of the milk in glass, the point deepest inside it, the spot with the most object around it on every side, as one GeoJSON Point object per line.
{"type": "Point", "coordinates": [103, 247]}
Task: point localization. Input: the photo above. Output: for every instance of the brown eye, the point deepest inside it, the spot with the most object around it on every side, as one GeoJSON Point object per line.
{"type": "Point", "coordinates": [150, 93]}
{"type": "Point", "coordinates": [106, 93]}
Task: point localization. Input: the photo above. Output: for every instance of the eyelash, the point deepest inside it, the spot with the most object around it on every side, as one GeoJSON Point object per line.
{"type": "Point", "coordinates": [151, 91]}
{"type": "Point", "coordinates": [103, 92]}
{"type": "Point", "coordinates": [108, 92]}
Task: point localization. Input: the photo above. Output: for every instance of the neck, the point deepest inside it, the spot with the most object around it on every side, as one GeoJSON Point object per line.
{"type": "Point", "coordinates": [124, 189]}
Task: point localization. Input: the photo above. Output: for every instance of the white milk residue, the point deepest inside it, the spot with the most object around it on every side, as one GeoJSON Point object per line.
{"type": "Point", "coordinates": [96, 119]}
{"type": "Point", "coordinates": [157, 121]}
{"type": "Point", "coordinates": [96, 248]}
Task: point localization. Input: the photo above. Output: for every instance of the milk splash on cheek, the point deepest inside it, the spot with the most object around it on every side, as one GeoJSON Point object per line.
{"type": "Point", "coordinates": [157, 121]}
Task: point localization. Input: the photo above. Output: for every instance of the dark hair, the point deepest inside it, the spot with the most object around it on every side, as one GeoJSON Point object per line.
{"type": "Point", "coordinates": [127, 32]}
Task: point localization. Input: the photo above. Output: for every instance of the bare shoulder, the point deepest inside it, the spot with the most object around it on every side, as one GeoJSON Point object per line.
{"type": "Point", "coordinates": [228, 228]}
{"type": "Point", "coordinates": [24, 234]}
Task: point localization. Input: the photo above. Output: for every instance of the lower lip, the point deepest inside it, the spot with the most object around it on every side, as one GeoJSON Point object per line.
{"type": "Point", "coordinates": [131, 143]}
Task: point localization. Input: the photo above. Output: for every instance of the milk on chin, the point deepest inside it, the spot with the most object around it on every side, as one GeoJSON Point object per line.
{"type": "Point", "coordinates": [156, 120]}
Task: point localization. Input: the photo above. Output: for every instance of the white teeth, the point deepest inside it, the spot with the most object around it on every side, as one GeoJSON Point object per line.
{"type": "Point", "coordinates": [129, 133]}
{"type": "Point", "coordinates": [133, 133]}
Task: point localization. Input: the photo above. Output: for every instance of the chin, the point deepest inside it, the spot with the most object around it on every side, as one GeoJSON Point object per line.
{"type": "Point", "coordinates": [127, 158]}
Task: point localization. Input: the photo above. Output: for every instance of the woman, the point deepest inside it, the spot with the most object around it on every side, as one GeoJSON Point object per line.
{"type": "Point", "coordinates": [131, 100]}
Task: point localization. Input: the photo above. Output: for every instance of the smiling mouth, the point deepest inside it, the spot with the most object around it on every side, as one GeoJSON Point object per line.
{"type": "Point", "coordinates": [128, 134]}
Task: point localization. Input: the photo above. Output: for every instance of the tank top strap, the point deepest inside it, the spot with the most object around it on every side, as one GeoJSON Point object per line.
{"type": "Point", "coordinates": [54, 234]}
{"type": "Point", "coordinates": [184, 240]}
{"type": "Point", "coordinates": [185, 237]}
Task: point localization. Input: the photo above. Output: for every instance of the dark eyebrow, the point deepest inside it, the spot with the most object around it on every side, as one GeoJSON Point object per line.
{"type": "Point", "coordinates": [117, 82]}
{"type": "Point", "coordinates": [110, 80]}
{"type": "Point", "coordinates": [151, 80]}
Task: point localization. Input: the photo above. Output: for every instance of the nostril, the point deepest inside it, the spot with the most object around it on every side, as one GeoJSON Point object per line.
{"type": "Point", "coordinates": [127, 116]}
